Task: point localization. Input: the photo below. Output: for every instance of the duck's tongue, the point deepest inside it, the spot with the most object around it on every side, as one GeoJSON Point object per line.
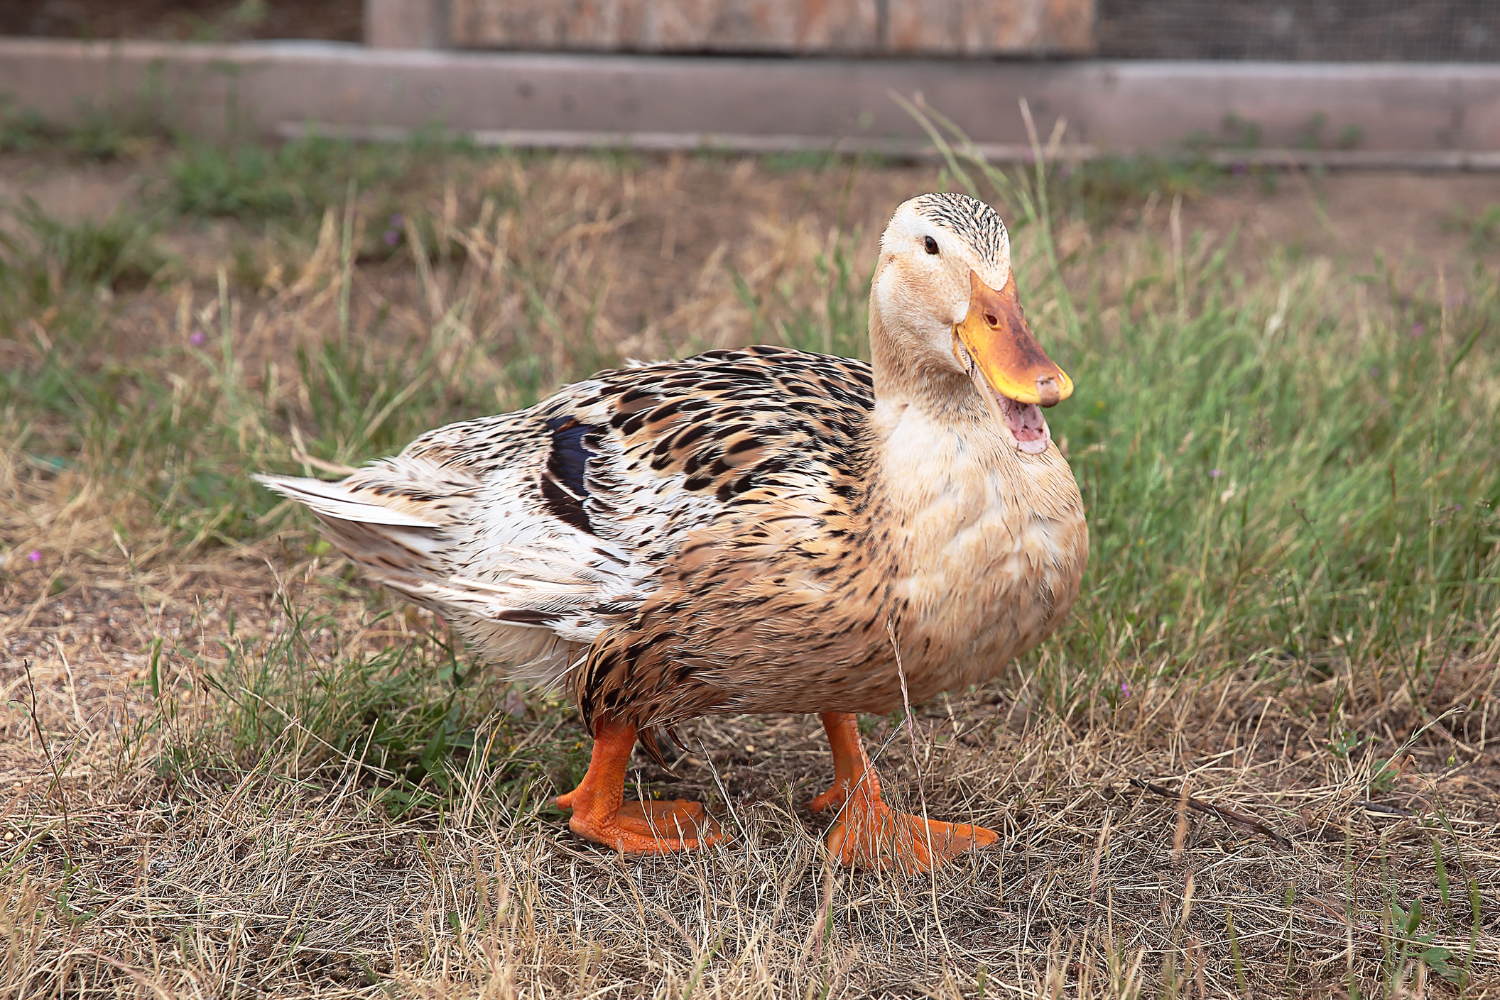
{"type": "Point", "coordinates": [1027, 426]}
{"type": "Point", "coordinates": [1024, 420]}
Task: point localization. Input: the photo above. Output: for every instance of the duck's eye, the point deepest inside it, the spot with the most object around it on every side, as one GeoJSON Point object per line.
{"type": "Point", "coordinates": [931, 244]}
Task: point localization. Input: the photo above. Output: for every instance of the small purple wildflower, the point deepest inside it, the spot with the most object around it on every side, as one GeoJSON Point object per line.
{"type": "Point", "coordinates": [1417, 329]}
{"type": "Point", "coordinates": [35, 556]}
{"type": "Point", "coordinates": [197, 338]}
{"type": "Point", "coordinates": [1215, 473]}
{"type": "Point", "coordinates": [1124, 689]}
{"type": "Point", "coordinates": [392, 237]}
{"type": "Point", "coordinates": [397, 220]}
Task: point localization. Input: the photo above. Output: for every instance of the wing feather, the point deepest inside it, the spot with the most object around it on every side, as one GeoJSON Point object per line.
{"type": "Point", "coordinates": [535, 531]}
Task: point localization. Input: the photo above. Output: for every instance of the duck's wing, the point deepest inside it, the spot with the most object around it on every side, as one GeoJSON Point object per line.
{"type": "Point", "coordinates": [534, 531]}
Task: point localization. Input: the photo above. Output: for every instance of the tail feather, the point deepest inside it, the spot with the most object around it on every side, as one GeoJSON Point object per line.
{"type": "Point", "coordinates": [528, 590]}
{"type": "Point", "coordinates": [338, 500]}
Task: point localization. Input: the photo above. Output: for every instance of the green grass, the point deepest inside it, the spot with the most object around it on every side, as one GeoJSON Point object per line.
{"type": "Point", "coordinates": [185, 443]}
{"type": "Point", "coordinates": [65, 272]}
{"type": "Point", "coordinates": [1483, 229]}
{"type": "Point", "coordinates": [405, 714]}
{"type": "Point", "coordinates": [94, 134]}
{"type": "Point", "coordinates": [1291, 489]}
{"type": "Point", "coordinates": [252, 181]}
{"type": "Point", "coordinates": [1100, 190]}
{"type": "Point", "coordinates": [1263, 491]}
{"type": "Point", "coordinates": [833, 323]}
{"type": "Point", "coordinates": [1268, 484]}
{"type": "Point", "coordinates": [302, 178]}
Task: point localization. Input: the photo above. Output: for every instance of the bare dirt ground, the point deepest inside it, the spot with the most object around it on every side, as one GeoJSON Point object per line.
{"type": "Point", "coordinates": [1418, 221]}
{"type": "Point", "coordinates": [188, 885]}
{"type": "Point", "coordinates": [1196, 835]}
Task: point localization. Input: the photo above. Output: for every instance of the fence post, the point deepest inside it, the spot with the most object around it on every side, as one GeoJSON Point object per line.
{"type": "Point", "coordinates": [406, 24]}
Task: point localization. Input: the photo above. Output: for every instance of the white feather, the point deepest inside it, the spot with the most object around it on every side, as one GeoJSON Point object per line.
{"type": "Point", "coordinates": [337, 501]}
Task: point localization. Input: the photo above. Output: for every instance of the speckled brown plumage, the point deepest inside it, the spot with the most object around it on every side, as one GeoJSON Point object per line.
{"type": "Point", "coordinates": [781, 600]}
{"type": "Point", "coordinates": [742, 530]}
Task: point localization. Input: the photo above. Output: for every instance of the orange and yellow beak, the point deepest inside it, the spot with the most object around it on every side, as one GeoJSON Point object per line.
{"type": "Point", "coordinates": [996, 336]}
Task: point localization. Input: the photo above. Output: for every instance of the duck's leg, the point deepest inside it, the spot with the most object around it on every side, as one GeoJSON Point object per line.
{"type": "Point", "coordinates": [600, 813]}
{"type": "Point", "coordinates": [869, 833]}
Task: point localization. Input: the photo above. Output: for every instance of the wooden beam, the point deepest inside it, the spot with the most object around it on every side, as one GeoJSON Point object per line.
{"type": "Point", "coordinates": [820, 27]}
{"type": "Point", "coordinates": [406, 24]}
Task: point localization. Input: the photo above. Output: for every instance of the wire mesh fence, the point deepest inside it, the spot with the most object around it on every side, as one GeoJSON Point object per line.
{"type": "Point", "coordinates": [1301, 30]}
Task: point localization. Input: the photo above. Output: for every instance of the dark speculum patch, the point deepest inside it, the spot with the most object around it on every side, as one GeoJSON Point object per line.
{"type": "Point", "coordinates": [565, 483]}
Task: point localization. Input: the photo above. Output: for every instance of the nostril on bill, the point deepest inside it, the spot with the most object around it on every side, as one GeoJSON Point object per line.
{"type": "Point", "coordinates": [1046, 388]}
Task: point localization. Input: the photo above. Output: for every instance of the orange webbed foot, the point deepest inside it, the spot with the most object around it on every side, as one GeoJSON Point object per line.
{"type": "Point", "coordinates": [649, 827]}
{"type": "Point", "coordinates": [600, 813]}
{"type": "Point", "coordinates": [873, 835]}
{"type": "Point", "coordinates": [869, 833]}
{"type": "Point", "coordinates": [831, 799]}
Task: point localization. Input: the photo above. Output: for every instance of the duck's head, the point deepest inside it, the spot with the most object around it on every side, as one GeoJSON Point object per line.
{"type": "Point", "coordinates": [944, 312]}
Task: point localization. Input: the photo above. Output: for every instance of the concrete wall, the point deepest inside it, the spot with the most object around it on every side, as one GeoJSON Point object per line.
{"type": "Point", "coordinates": [1366, 110]}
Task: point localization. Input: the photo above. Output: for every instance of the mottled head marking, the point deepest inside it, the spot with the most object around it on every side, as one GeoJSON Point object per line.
{"type": "Point", "coordinates": [969, 218]}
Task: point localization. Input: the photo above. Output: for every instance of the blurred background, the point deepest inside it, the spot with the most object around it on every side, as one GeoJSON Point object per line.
{"type": "Point", "coordinates": [1342, 30]}
{"type": "Point", "coordinates": [1347, 80]}
{"type": "Point", "coordinates": [290, 236]}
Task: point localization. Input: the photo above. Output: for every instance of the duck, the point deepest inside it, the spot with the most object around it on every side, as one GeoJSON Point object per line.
{"type": "Point", "coordinates": [753, 531]}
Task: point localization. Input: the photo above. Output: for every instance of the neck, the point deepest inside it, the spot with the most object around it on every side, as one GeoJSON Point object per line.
{"type": "Point", "coordinates": [979, 547]}
{"type": "Point", "coordinates": [931, 431]}
{"type": "Point", "coordinates": [908, 373]}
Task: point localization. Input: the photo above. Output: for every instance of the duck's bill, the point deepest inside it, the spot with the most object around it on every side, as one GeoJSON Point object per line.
{"type": "Point", "coordinates": [996, 347]}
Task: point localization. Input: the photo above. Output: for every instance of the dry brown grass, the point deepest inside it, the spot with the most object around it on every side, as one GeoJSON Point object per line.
{"type": "Point", "coordinates": [201, 884]}
{"type": "Point", "coordinates": [176, 856]}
